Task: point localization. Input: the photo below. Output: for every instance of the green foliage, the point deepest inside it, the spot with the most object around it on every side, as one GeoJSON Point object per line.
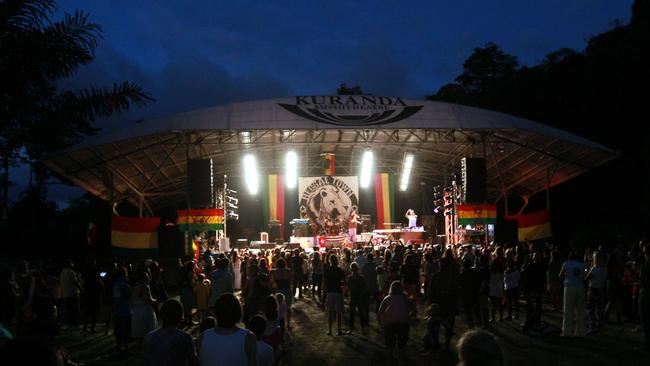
{"type": "Point", "coordinates": [37, 116]}
{"type": "Point", "coordinates": [599, 93]}
{"type": "Point", "coordinates": [36, 53]}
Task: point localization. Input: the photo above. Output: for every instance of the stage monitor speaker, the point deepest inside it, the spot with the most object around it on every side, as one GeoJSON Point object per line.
{"type": "Point", "coordinates": [474, 178]}
{"type": "Point", "coordinates": [242, 243]}
{"type": "Point", "coordinates": [274, 230]}
{"type": "Point", "coordinates": [200, 181]}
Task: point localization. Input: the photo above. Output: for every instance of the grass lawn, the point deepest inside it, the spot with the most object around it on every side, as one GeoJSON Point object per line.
{"type": "Point", "coordinates": [308, 344]}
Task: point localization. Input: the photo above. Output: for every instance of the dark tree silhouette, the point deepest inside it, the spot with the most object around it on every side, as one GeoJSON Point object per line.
{"type": "Point", "coordinates": [600, 93]}
{"type": "Point", "coordinates": [36, 53]}
{"type": "Point", "coordinates": [344, 89]}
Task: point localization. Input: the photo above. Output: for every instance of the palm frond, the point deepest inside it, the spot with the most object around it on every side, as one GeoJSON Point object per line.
{"type": "Point", "coordinates": [93, 103]}
{"type": "Point", "coordinates": [69, 44]}
{"type": "Point", "coordinates": [25, 14]}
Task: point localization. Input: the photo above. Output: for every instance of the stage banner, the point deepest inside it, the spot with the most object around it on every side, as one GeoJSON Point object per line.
{"type": "Point", "coordinates": [200, 219]}
{"type": "Point", "coordinates": [477, 214]}
{"type": "Point", "coordinates": [134, 236]}
{"type": "Point", "coordinates": [328, 200]}
{"type": "Point", "coordinates": [273, 196]}
{"type": "Point", "coordinates": [534, 225]}
{"type": "Point", "coordinates": [385, 198]}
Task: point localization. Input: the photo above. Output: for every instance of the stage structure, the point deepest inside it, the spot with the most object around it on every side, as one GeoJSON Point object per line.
{"type": "Point", "coordinates": [146, 163]}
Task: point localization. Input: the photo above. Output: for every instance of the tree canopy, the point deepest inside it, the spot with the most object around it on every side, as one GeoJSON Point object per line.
{"type": "Point", "coordinates": [36, 53]}
{"type": "Point", "coordinates": [598, 92]}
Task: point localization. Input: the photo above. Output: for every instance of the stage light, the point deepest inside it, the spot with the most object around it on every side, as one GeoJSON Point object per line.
{"type": "Point", "coordinates": [250, 173]}
{"type": "Point", "coordinates": [245, 137]}
{"type": "Point", "coordinates": [291, 169]}
{"type": "Point", "coordinates": [406, 172]}
{"type": "Point", "coordinates": [366, 169]}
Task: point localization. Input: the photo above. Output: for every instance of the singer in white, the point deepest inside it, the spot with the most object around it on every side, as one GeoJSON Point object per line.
{"type": "Point", "coordinates": [412, 217]}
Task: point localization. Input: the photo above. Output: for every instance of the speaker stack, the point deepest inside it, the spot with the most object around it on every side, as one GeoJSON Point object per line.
{"type": "Point", "coordinates": [474, 178]}
{"type": "Point", "coordinates": [200, 182]}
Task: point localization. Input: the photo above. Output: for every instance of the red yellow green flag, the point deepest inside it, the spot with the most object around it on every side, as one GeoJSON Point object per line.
{"type": "Point", "coordinates": [200, 220]}
{"type": "Point", "coordinates": [273, 200]}
{"type": "Point", "coordinates": [384, 198]}
{"type": "Point", "coordinates": [329, 163]}
{"type": "Point", "coordinates": [477, 214]}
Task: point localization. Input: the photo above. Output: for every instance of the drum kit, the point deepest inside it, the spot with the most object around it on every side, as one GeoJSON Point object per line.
{"type": "Point", "coordinates": [334, 227]}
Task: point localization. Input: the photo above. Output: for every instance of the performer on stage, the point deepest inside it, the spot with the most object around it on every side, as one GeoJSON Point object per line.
{"type": "Point", "coordinates": [412, 217]}
{"type": "Point", "coordinates": [353, 220]}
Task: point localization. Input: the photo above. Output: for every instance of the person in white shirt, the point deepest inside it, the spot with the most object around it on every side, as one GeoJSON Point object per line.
{"type": "Point", "coordinates": [412, 217]}
{"type": "Point", "coordinates": [70, 294]}
{"type": "Point", "coordinates": [227, 344]}
{"type": "Point", "coordinates": [264, 354]}
{"type": "Point", "coordinates": [573, 273]}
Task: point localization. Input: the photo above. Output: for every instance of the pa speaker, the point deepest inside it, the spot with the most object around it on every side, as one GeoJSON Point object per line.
{"type": "Point", "coordinates": [474, 178]}
{"type": "Point", "coordinates": [200, 182]}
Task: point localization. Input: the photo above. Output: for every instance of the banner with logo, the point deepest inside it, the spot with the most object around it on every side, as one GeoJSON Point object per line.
{"type": "Point", "coordinates": [342, 110]}
{"type": "Point", "coordinates": [328, 200]}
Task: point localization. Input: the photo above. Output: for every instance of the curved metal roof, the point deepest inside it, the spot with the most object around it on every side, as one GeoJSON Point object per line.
{"type": "Point", "coordinates": [147, 161]}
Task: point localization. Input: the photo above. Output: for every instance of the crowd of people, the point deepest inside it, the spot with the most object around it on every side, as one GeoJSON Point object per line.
{"type": "Point", "coordinates": [242, 300]}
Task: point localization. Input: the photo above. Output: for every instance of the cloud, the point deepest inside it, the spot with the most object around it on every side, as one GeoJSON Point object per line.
{"type": "Point", "coordinates": [187, 80]}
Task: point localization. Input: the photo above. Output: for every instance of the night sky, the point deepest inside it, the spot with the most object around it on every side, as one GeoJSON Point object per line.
{"type": "Point", "coordinates": [191, 54]}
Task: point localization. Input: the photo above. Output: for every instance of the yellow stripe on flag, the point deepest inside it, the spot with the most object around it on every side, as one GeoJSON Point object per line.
{"type": "Point", "coordinates": [129, 240]}
{"type": "Point", "coordinates": [200, 220]}
{"type": "Point", "coordinates": [474, 215]}
{"type": "Point", "coordinates": [385, 192]}
{"type": "Point", "coordinates": [273, 197]}
{"type": "Point", "coordinates": [535, 232]}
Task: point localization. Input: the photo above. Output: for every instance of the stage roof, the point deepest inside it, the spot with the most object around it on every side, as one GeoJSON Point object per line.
{"type": "Point", "coordinates": [147, 161]}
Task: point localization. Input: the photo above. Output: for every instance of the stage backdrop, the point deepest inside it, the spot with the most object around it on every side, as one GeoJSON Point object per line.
{"type": "Point", "coordinates": [328, 198]}
{"type": "Point", "coordinates": [280, 203]}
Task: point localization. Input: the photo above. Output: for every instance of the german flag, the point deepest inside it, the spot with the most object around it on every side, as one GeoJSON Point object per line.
{"type": "Point", "coordinates": [134, 236]}
{"type": "Point", "coordinates": [477, 214]}
{"type": "Point", "coordinates": [534, 225]}
{"type": "Point", "coordinates": [200, 220]}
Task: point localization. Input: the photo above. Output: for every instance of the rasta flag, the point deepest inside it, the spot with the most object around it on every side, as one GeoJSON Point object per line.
{"type": "Point", "coordinates": [477, 214]}
{"type": "Point", "coordinates": [200, 220]}
{"type": "Point", "coordinates": [385, 198]}
{"type": "Point", "coordinates": [328, 161]}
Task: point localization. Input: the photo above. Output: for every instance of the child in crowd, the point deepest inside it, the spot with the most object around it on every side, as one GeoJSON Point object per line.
{"type": "Point", "coordinates": [511, 279]}
{"type": "Point", "coordinates": [272, 332]}
{"type": "Point", "coordinates": [264, 352]}
{"type": "Point", "coordinates": [433, 327]}
{"type": "Point", "coordinates": [282, 312]}
{"type": "Point", "coordinates": [202, 290]}
{"type": "Point", "coordinates": [208, 322]}
{"type": "Point", "coordinates": [382, 282]}
{"type": "Point", "coordinates": [496, 290]}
